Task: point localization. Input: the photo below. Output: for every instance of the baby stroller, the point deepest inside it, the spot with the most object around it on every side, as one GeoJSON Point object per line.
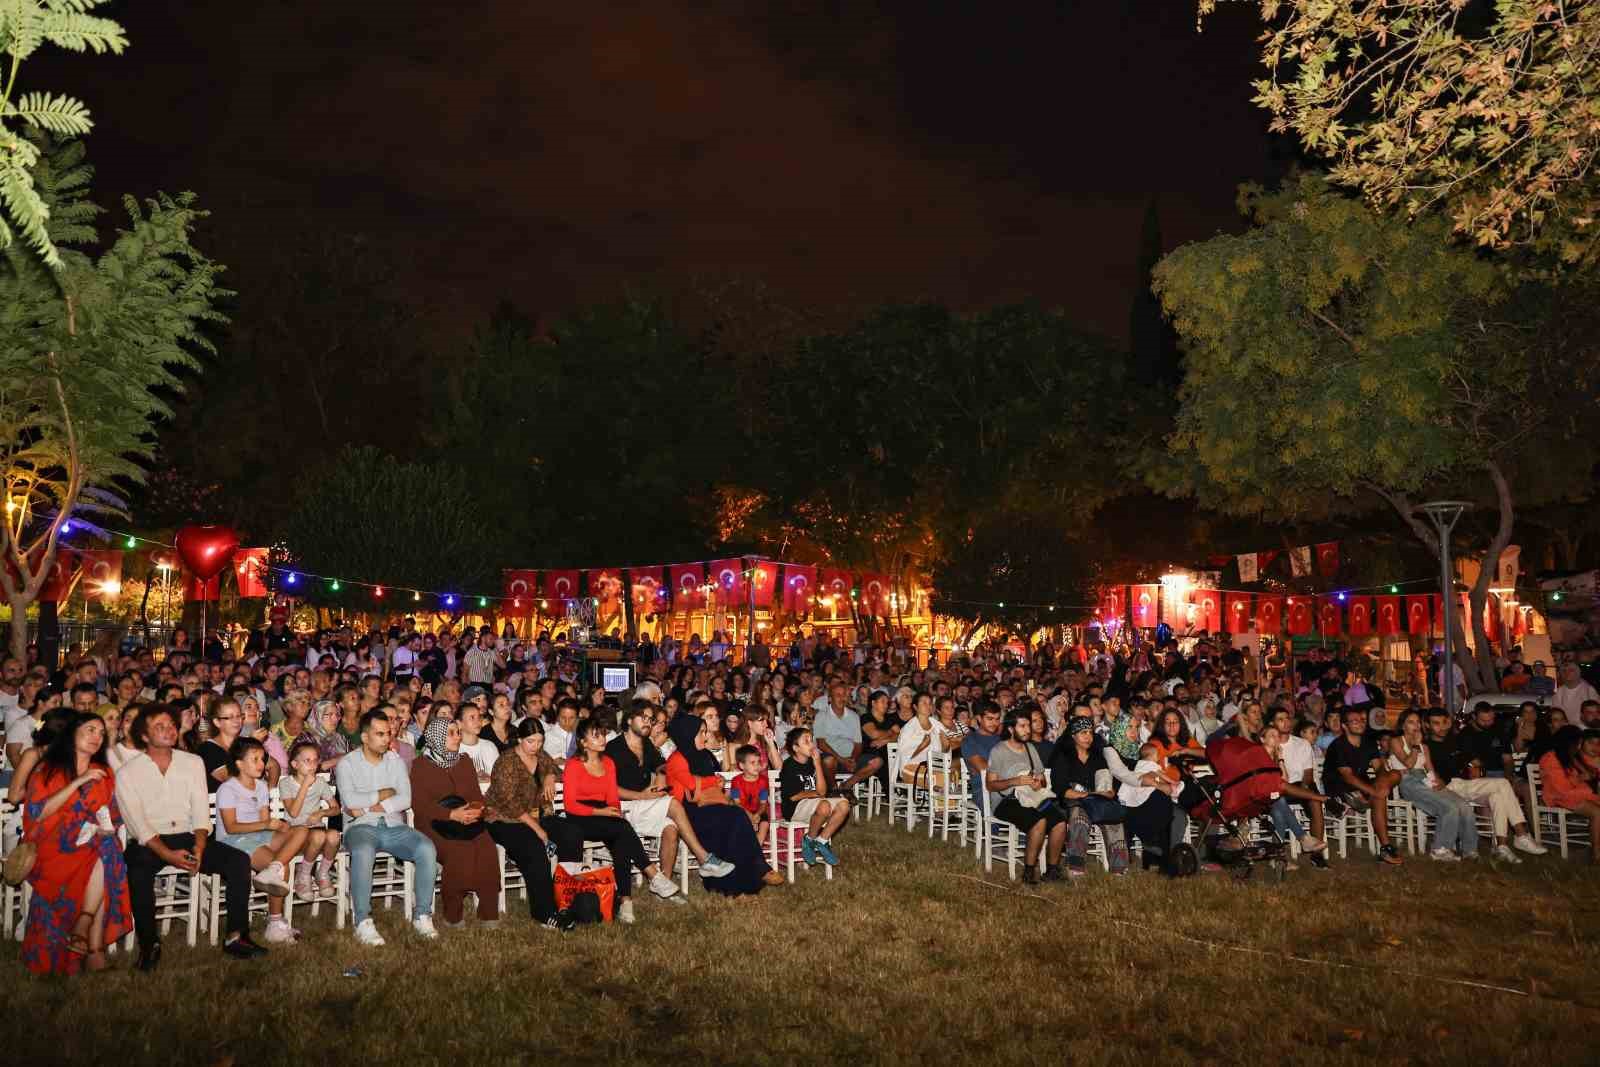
{"type": "Point", "coordinates": [1238, 781]}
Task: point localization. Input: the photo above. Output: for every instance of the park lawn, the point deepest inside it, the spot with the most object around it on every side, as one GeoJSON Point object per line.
{"type": "Point", "coordinates": [905, 956]}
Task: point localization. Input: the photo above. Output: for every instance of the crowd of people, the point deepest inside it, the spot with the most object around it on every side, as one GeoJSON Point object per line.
{"type": "Point", "coordinates": [261, 762]}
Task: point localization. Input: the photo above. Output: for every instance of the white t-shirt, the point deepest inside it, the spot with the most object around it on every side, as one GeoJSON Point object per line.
{"type": "Point", "coordinates": [483, 753]}
{"type": "Point", "coordinates": [19, 731]}
{"type": "Point", "coordinates": [1570, 700]}
{"type": "Point", "coordinates": [911, 735]}
{"type": "Point", "coordinates": [248, 805]}
{"type": "Point", "coordinates": [1298, 758]}
{"type": "Point", "coordinates": [11, 705]}
{"type": "Point", "coordinates": [404, 660]}
{"type": "Point", "coordinates": [1133, 795]}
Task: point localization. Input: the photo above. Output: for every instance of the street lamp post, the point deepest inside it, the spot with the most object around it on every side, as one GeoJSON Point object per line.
{"type": "Point", "coordinates": [1445, 514]}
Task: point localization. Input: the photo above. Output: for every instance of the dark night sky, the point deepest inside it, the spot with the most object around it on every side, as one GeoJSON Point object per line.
{"type": "Point", "coordinates": [843, 151]}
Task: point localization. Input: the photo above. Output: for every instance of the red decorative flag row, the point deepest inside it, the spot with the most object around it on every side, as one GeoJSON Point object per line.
{"type": "Point", "coordinates": [1216, 611]}
{"type": "Point", "coordinates": [726, 583]}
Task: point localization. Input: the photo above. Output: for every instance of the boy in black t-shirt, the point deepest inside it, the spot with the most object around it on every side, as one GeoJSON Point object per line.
{"type": "Point", "coordinates": [1355, 772]}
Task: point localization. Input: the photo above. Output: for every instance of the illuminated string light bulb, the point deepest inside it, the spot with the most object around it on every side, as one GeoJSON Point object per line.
{"type": "Point", "coordinates": [292, 579]}
{"type": "Point", "coordinates": [415, 595]}
{"type": "Point", "coordinates": [449, 601]}
{"type": "Point", "coordinates": [378, 592]}
{"type": "Point", "coordinates": [334, 585]}
{"type": "Point", "coordinates": [132, 542]}
{"type": "Point", "coordinates": [483, 602]}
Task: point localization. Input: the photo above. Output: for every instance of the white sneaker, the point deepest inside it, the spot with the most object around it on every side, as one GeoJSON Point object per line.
{"type": "Point", "coordinates": [367, 934]}
{"type": "Point", "coordinates": [1525, 843]}
{"type": "Point", "coordinates": [423, 925]}
{"type": "Point", "coordinates": [715, 868]}
{"type": "Point", "coordinates": [1504, 854]}
{"type": "Point", "coordinates": [662, 886]}
{"type": "Point", "coordinates": [625, 912]}
{"type": "Point", "coordinates": [271, 881]}
{"type": "Point", "coordinates": [279, 932]}
{"type": "Point", "coordinates": [1443, 855]}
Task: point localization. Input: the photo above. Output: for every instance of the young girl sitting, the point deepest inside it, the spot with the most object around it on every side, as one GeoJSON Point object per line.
{"type": "Point", "coordinates": [803, 800]}
{"type": "Point", "coordinates": [245, 822]}
{"type": "Point", "coordinates": [308, 801]}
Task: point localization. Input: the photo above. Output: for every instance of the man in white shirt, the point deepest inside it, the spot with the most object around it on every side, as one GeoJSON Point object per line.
{"type": "Point", "coordinates": [1299, 764]}
{"type": "Point", "coordinates": [559, 738]}
{"type": "Point", "coordinates": [10, 688]}
{"type": "Point", "coordinates": [1572, 692]}
{"type": "Point", "coordinates": [162, 796]}
{"type": "Point", "coordinates": [404, 661]}
{"type": "Point", "coordinates": [375, 788]}
{"type": "Point", "coordinates": [474, 746]}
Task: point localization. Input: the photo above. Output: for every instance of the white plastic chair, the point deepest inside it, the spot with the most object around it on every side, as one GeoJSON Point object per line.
{"type": "Point", "coordinates": [783, 835]}
{"type": "Point", "coordinates": [1555, 826]}
{"type": "Point", "coordinates": [902, 795]}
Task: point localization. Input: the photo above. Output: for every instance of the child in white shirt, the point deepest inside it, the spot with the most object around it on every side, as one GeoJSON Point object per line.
{"type": "Point", "coordinates": [308, 800]}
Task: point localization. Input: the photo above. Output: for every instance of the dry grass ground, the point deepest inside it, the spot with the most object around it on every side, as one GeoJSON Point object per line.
{"type": "Point", "coordinates": [902, 958]}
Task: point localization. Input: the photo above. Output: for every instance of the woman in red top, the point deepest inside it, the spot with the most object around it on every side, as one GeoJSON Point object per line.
{"type": "Point", "coordinates": [1571, 771]}
{"type": "Point", "coordinates": [720, 824]}
{"type": "Point", "coordinates": [594, 813]}
{"type": "Point", "coordinates": [1171, 737]}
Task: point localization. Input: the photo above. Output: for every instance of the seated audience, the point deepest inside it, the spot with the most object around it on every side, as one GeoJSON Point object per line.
{"type": "Point", "coordinates": [448, 808]}
{"type": "Point", "coordinates": [1570, 776]}
{"type": "Point", "coordinates": [245, 822]}
{"type": "Point", "coordinates": [718, 822]}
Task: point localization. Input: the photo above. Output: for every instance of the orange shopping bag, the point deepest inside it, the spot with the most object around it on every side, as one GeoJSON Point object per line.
{"type": "Point", "coordinates": [572, 879]}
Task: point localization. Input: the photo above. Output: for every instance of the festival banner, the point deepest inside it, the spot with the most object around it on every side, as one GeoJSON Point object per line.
{"type": "Point", "coordinates": [646, 591]}
{"type": "Point", "coordinates": [799, 586]}
{"type": "Point", "coordinates": [1247, 566]}
{"type": "Point", "coordinates": [1208, 610]}
{"type": "Point", "coordinates": [687, 578]}
{"type": "Point", "coordinates": [1389, 615]}
{"type": "Point", "coordinates": [1438, 615]}
{"type": "Point", "coordinates": [1300, 561]}
{"type": "Point", "coordinates": [1269, 613]}
{"type": "Point", "coordinates": [1113, 602]}
{"type": "Point", "coordinates": [875, 594]}
{"type": "Point", "coordinates": [1146, 600]}
{"type": "Point", "coordinates": [1175, 606]}
{"type": "Point", "coordinates": [728, 576]}
{"type": "Point", "coordinates": [1417, 620]}
{"type": "Point", "coordinates": [765, 576]}
{"type": "Point", "coordinates": [249, 570]}
{"type": "Point", "coordinates": [1264, 560]}
{"type": "Point", "coordinates": [1360, 616]}
{"type": "Point", "coordinates": [59, 580]}
{"type": "Point", "coordinates": [1519, 622]}
{"type": "Point", "coordinates": [1329, 619]}
{"type": "Point", "coordinates": [1300, 613]}
{"type": "Point", "coordinates": [560, 586]}
{"type": "Point", "coordinates": [1236, 613]}
{"type": "Point", "coordinates": [1328, 559]}
{"type": "Point", "coordinates": [836, 583]}
{"type": "Point", "coordinates": [1491, 617]}
{"type": "Point", "coordinates": [521, 588]}
{"type": "Point", "coordinates": [1510, 566]}
{"type": "Point", "coordinates": [605, 585]}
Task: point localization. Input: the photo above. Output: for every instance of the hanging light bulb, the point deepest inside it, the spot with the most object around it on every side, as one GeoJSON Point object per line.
{"type": "Point", "coordinates": [415, 595]}
{"type": "Point", "coordinates": [293, 578]}
{"type": "Point", "coordinates": [334, 585]}
{"type": "Point", "coordinates": [132, 541]}
{"type": "Point", "coordinates": [483, 602]}
{"type": "Point", "coordinates": [450, 601]}
{"type": "Point", "coordinates": [378, 591]}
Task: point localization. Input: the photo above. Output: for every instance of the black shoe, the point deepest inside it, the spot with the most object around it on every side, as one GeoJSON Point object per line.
{"type": "Point", "coordinates": [149, 957]}
{"type": "Point", "coordinates": [242, 948]}
{"type": "Point", "coordinates": [1390, 855]}
{"type": "Point", "coordinates": [1054, 874]}
{"type": "Point", "coordinates": [1319, 861]}
{"type": "Point", "coordinates": [561, 921]}
{"type": "Point", "coordinates": [1030, 876]}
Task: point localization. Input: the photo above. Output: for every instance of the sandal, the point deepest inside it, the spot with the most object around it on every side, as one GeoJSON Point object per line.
{"type": "Point", "coordinates": [77, 945]}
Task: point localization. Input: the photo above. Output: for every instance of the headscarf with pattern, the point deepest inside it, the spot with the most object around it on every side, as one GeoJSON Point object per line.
{"type": "Point", "coordinates": [1118, 737]}
{"type": "Point", "coordinates": [435, 740]}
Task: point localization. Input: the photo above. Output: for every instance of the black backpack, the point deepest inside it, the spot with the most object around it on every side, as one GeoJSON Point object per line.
{"type": "Point", "coordinates": [585, 908]}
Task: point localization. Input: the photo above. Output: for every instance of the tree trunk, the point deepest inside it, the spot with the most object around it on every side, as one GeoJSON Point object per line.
{"type": "Point", "coordinates": [49, 635]}
{"type": "Point", "coordinates": [19, 629]}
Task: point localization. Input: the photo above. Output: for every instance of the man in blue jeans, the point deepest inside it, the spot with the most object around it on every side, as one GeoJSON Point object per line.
{"type": "Point", "coordinates": [375, 789]}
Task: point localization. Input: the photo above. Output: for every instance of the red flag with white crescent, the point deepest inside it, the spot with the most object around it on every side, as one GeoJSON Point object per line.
{"type": "Point", "coordinates": [764, 575]}
{"type": "Point", "coordinates": [1207, 609]}
{"type": "Point", "coordinates": [1328, 559]}
{"type": "Point", "coordinates": [561, 585]}
{"type": "Point", "coordinates": [875, 594]}
{"type": "Point", "coordinates": [649, 595]}
{"type": "Point", "coordinates": [1417, 618]}
{"type": "Point", "coordinates": [1269, 613]}
{"type": "Point", "coordinates": [836, 583]}
{"type": "Point", "coordinates": [1299, 615]}
{"type": "Point", "coordinates": [687, 578]}
{"type": "Point", "coordinates": [1329, 619]}
{"type": "Point", "coordinates": [1113, 602]}
{"type": "Point", "coordinates": [1145, 600]}
{"type": "Point", "coordinates": [728, 576]}
{"type": "Point", "coordinates": [799, 587]}
{"type": "Point", "coordinates": [1236, 613]}
{"type": "Point", "coordinates": [1389, 615]}
{"type": "Point", "coordinates": [1360, 616]}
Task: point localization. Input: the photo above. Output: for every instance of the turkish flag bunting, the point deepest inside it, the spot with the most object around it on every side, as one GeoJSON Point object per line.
{"type": "Point", "coordinates": [1417, 620]}
{"type": "Point", "coordinates": [728, 576]}
{"type": "Point", "coordinates": [606, 585]}
{"type": "Point", "coordinates": [836, 583]}
{"type": "Point", "coordinates": [1491, 617]}
{"type": "Point", "coordinates": [1328, 620]}
{"type": "Point", "coordinates": [59, 579]}
{"type": "Point", "coordinates": [875, 594]}
{"type": "Point", "coordinates": [1389, 615]}
{"type": "Point", "coordinates": [1174, 607]}
{"type": "Point", "coordinates": [649, 595]}
{"type": "Point", "coordinates": [521, 589]}
{"type": "Point", "coordinates": [1300, 615]}
{"type": "Point", "coordinates": [799, 587]}
{"type": "Point", "coordinates": [1328, 559]}
{"type": "Point", "coordinates": [1236, 615]}
{"type": "Point", "coordinates": [195, 589]}
{"type": "Point", "coordinates": [765, 577]}
{"type": "Point", "coordinates": [1264, 560]}
{"type": "Point", "coordinates": [687, 578]}
{"type": "Point", "coordinates": [1269, 613]}
{"type": "Point", "coordinates": [250, 570]}
{"type": "Point", "coordinates": [1146, 601]}
{"type": "Point", "coordinates": [1519, 623]}
{"type": "Point", "coordinates": [561, 585]}
{"type": "Point", "coordinates": [1360, 616]}
{"type": "Point", "coordinates": [1113, 600]}
{"type": "Point", "coordinates": [1438, 613]}
{"type": "Point", "coordinates": [1207, 609]}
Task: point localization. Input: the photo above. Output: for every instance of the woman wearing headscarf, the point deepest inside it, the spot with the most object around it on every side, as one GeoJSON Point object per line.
{"type": "Point", "coordinates": [722, 826]}
{"type": "Point", "coordinates": [1084, 786]}
{"type": "Point", "coordinates": [1159, 822]}
{"type": "Point", "coordinates": [448, 807]}
{"type": "Point", "coordinates": [323, 726]}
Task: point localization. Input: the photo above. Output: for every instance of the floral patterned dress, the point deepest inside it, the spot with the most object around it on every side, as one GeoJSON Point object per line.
{"type": "Point", "coordinates": [61, 873]}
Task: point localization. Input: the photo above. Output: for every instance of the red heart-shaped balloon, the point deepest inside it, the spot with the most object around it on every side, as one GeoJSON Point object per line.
{"type": "Point", "coordinates": [206, 550]}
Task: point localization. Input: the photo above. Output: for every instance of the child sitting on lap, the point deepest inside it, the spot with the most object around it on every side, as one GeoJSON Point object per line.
{"type": "Point", "coordinates": [749, 788]}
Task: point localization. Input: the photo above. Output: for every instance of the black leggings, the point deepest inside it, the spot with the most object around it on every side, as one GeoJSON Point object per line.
{"type": "Point", "coordinates": [611, 831]}
{"type": "Point", "coordinates": [524, 848]}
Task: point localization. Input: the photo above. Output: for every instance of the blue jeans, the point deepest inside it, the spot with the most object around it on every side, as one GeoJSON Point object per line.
{"type": "Point", "coordinates": [1284, 820]}
{"type": "Point", "coordinates": [1457, 827]}
{"type": "Point", "coordinates": [401, 842]}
